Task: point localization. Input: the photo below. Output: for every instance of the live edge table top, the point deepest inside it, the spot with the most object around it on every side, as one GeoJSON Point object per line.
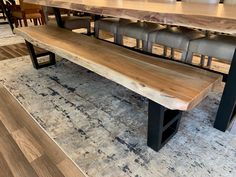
{"type": "Point", "coordinates": [220, 18]}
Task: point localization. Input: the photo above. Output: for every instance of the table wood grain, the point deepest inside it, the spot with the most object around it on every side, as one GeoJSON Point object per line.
{"type": "Point", "coordinates": [220, 18]}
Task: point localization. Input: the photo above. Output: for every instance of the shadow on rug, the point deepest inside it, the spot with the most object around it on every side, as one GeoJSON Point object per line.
{"type": "Point", "coordinates": [102, 126]}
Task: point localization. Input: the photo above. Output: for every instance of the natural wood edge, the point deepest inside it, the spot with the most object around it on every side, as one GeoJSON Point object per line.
{"type": "Point", "coordinates": [116, 76]}
{"type": "Point", "coordinates": [204, 92]}
{"type": "Point", "coordinates": [198, 21]}
{"type": "Point", "coordinates": [133, 84]}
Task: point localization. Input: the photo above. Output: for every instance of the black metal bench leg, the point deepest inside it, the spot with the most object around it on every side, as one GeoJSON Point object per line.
{"type": "Point", "coordinates": [34, 57]}
{"type": "Point", "coordinates": [163, 124]}
{"type": "Point", "coordinates": [227, 106]}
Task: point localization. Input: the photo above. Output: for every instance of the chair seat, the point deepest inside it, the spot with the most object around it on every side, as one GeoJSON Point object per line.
{"type": "Point", "coordinates": [110, 25]}
{"type": "Point", "coordinates": [219, 46]}
{"type": "Point", "coordinates": [75, 22]}
{"type": "Point", "coordinates": [28, 16]}
{"type": "Point", "coordinates": [139, 30]}
{"type": "Point", "coordinates": [175, 37]}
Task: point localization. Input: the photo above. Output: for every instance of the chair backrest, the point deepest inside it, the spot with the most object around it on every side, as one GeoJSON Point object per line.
{"type": "Point", "coordinates": [27, 6]}
{"type": "Point", "coordinates": [230, 2]}
{"type": "Point", "coordinates": [203, 1]}
{"type": "Point", "coordinates": [163, 1]}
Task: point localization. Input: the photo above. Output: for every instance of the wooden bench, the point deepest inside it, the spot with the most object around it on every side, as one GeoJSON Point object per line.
{"type": "Point", "coordinates": [170, 87]}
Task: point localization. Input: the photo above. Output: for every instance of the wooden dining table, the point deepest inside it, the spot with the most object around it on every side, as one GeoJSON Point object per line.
{"type": "Point", "coordinates": [219, 18]}
{"type": "Point", "coordinates": [211, 17]}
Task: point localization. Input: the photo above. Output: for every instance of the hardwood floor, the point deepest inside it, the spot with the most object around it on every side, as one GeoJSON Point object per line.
{"type": "Point", "coordinates": [15, 50]}
{"type": "Point", "coordinates": [25, 149]}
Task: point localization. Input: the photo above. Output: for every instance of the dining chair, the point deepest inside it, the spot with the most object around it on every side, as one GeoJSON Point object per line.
{"type": "Point", "coordinates": [110, 25]}
{"type": "Point", "coordinates": [76, 22]}
{"type": "Point", "coordinates": [26, 11]}
{"type": "Point", "coordinates": [71, 22]}
{"type": "Point", "coordinates": [229, 2]}
{"type": "Point", "coordinates": [175, 37]}
{"type": "Point", "coordinates": [220, 46]}
{"type": "Point", "coordinates": [139, 30]}
{"type": "Point", "coordinates": [202, 1]}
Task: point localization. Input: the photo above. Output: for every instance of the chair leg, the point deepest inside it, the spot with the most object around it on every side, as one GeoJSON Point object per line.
{"type": "Point", "coordinates": [138, 43]}
{"type": "Point", "coordinates": [172, 53]}
{"type": "Point", "coordinates": [115, 38]}
{"type": "Point", "coordinates": [202, 60]}
{"type": "Point", "coordinates": [184, 55]}
{"type": "Point", "coordinates": [119, 38]}
{"type": "Point", "coordinates": [88, 29]}
{"type": "Point", "coordinates": [35, 22]}
{"type": "Point", "coordinates": [165, 51]}
{"type": "Point", "coordinates": [40, 21]}
{"type": "Point", "coordinates": [20, 23]}
{"type": "Point", "coordinates": [145, 46]}
{"type": "Point", "coordinates": [189, 57]}
{"type": "Point", "coordinates": [209, 61]}
{"type": "Point", "coordinates": [16, 22]}
{"type": "Point", "coordinates": [25, 22]}
{"type": "Point", "coordinates": [149, 48]}
{"type": "Point", "coordinates": [96, 29]}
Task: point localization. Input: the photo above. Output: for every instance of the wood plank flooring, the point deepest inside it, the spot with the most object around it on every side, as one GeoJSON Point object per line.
{"type": "Point", "coordinates": [25, 149]}
{"type": "Point", "coordinates": [15, 50]}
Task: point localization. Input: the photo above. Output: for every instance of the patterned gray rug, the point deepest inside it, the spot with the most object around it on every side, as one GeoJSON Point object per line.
{"type": "Point", "coordinates": [102, 126]}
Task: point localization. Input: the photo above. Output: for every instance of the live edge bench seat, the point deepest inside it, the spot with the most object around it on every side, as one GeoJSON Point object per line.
{"type": "Point", "coordinates": [170, 87]}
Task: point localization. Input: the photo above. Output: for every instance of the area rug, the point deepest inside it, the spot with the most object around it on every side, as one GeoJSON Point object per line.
{"type": "Point", "coordinates": [7, 37]}
{"type": "Point", "coordinates": [102, 126]}
{"type": "Point", "coordinates": [5, 30]}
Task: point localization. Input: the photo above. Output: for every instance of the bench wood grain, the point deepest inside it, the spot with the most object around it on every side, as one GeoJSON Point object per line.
{"type": "Point", "coordinates": [173, 85]}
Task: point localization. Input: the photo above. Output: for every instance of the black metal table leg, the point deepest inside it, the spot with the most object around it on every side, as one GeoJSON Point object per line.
{"type": "Point", "coordinates": [34, 57]}
{"type": "Point", "coordinates": [58, 17]}
{"type": "Point", "coordinates": [227, 106]}
{"type": "Point", "coordinates": [163, 124]}
{"type": "Point", "coordinates": [8, 14]}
